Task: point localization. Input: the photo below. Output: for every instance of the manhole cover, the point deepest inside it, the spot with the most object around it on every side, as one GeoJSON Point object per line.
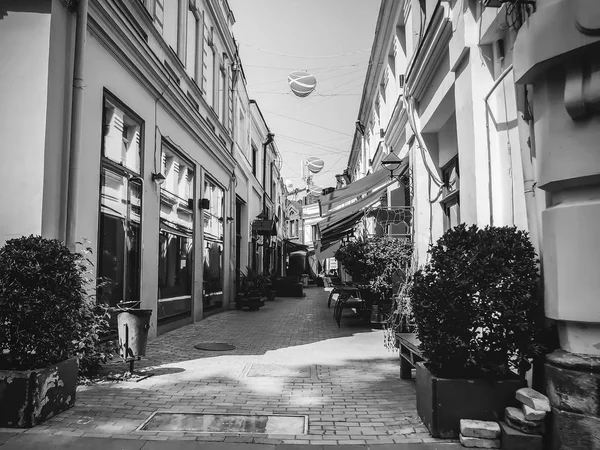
{"type": "Point", "coordinates": [214, 346]}
{"type": "Point", "coordinates": [226, 423]}
{"type": "Point", "coordinates": [268, 370]}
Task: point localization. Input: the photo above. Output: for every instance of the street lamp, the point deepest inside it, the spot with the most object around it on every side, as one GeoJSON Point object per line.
{"type": "Point", "coordinates": [392, 163]}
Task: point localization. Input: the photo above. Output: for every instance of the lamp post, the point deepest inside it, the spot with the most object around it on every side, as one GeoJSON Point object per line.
{"type": "Point", "coordinates": [392, 163]}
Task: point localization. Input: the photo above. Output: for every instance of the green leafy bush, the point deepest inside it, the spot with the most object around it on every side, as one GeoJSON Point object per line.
{"type": "Point", "coordinates": [475, 303]}
{"type": "Point", "coordinates": [378, 262]}
{"type": "Point", "coordinates": [46, 314]}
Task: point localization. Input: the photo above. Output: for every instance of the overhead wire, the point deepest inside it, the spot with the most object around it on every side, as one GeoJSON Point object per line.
{"type": "Point", "coordinates": [305, 122]}
{"type": "Point", "coordinates": [305, 57]}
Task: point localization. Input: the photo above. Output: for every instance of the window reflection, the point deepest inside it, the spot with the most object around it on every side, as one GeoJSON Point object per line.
{"type": "Point", "coordinates": [176, 243]}
{"type": "Point", "coordinates": [214, 244]}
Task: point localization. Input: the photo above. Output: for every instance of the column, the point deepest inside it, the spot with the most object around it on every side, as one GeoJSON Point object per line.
{"type": "Point", "coordinates": [558, 53]}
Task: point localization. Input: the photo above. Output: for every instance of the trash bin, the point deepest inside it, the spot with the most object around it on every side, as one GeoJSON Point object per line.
{"type": "Point", "coordinates": [133, 326]}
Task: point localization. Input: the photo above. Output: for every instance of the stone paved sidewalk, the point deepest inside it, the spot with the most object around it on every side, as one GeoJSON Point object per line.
{"type": "Point", "coordinates": [290, 358]}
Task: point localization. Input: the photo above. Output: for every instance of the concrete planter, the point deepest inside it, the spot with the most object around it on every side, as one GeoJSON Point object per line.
{"type": "Point", "coordinates": [29, 397]}
{"type": "Point", "coordinates": [442, 402]}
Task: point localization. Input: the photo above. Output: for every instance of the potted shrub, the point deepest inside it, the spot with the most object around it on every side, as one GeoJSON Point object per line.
{"type": "Point", "coordinates": [377, 266]}
{"type": "Point", "coordinates": [48, 321]}
{"type": "Point", "coordinates": [252, 291]}
{"type": "Point", "coordinates": [475, 308]}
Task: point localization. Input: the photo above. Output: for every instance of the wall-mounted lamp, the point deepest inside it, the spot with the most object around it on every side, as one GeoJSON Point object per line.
{"type": "Point", "coordinates": [229, 219]}
{"type": "Point", "coordinates": [392, 163]}
{"type": "Point", "coordinates": [158, 178]}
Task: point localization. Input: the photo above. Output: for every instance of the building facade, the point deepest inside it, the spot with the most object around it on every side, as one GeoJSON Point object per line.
{"type": "Point", "coordinates": [131, 144]}
{"type": "Point", "coordinates": [440, 94]}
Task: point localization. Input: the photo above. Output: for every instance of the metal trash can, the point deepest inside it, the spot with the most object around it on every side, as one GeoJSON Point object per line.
{"type": "Point", "coordinates": [133, 326]}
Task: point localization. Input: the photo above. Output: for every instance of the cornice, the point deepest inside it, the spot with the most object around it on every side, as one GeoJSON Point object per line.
{"type": "Point", "coordinates": [428, 55]}
{"type": "Point", "coordinates": [397, 123]}
{"type": "Point", "coordinates": [115, 34]}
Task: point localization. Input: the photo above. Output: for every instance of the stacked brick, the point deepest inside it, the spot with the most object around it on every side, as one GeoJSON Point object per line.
{"type": "Point", "coordinates": [523, 427]}
{"type": "Point", "coordinates": [479, 434]}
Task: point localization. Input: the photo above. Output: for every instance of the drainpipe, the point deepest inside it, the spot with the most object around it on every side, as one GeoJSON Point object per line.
{"type": "Point", "coordinates": [269, 140]}
{"type": "Point", "coordinates": [76, 119]}
{"type": "Point", "coordinates": [487, 128]}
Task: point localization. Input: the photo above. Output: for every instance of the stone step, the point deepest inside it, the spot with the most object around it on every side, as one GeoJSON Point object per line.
{"type": "Point", "coordinates": [479, 429]}
{"type": "Point", "coordinates": [533, 399]}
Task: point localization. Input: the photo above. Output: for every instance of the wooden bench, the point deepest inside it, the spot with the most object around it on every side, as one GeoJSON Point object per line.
{"type": "Point", "coordinates": [410, 354]}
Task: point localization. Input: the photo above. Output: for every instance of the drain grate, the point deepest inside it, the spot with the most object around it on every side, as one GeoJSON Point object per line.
{"type": "Point", "coordinates": [214, 346]}
{"type": "Point", "coordinates": [226, 423]}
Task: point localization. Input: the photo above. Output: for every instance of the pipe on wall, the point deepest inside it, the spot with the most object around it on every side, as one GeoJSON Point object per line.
{"type": "Point", "coordinates": [76, 125]}
{"type": "Point", "coordinates": [499, 80]}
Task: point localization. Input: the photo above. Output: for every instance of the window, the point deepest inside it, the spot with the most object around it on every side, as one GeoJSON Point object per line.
{"type": "Point", "coordinates": [451, 194]}
{"type": "Point", "coordinates": [254, 161]}
{"type": "Point", "coordinates": [170, 22]}
{"type": "Point", "coordinates": [209, 67]}
{"type": "Point", "coordinates": [214, 241]}
{"type": "Point", "coordinates": [193, 27]}
{"type": "Point", "coordinates": [176, 242]}
{"type": "Point", "coordinates": [120, 204]}
{"type": "Point", "coordinates": [223, 104]}
{"type": "Point", "coordinates": [241, 129]}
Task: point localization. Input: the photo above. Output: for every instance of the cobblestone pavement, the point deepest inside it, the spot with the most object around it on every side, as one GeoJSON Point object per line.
{"type": "Point", "coordinates": [290, 359]}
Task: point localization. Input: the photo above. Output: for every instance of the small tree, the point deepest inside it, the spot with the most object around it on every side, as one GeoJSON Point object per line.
{"type": "Point", "coordinates": [378, 262]}
{"type": "Point", "coordinates": [475, 304]}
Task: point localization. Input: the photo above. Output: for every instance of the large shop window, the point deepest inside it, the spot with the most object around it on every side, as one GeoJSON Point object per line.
{"type": "Point", "coordinates": [176, 241]}
{"type": "Point", "coordinates": [120, 205]}
{"type": "Point", "coordinates": [451, 195]}
{"type": "Point", "coordinates": [213, 246]}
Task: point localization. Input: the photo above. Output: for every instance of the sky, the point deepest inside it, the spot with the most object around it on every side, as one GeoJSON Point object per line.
{"type": "Point", "coordinates": [330, 39]}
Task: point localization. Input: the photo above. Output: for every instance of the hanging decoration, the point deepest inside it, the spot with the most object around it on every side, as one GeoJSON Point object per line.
{"type": "Point", "coordinates": [314, 164]}
{"type": "Point", "coordinates": [302, 83]}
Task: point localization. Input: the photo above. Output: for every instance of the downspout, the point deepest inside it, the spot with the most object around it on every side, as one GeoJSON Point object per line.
{"type": "Point", "coordinates": [487, 129]}
{"type": "Point", "coordinates": [76, 126]}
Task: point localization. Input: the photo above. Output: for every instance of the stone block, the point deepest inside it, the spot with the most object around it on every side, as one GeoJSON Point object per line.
{"type": "Point", "coordinates": [573, 383]}
{"type": "Point", "coordinates": [515, 418]}
{"type": "Point", "coordinates": [473, 442]}
{"type": "Point", "coordinates": [574, 431]}
{"type": "Point", "coordinates": [479, 429]}
{"type": "Point", "coordinates": [533, 399]}
{"type": "Point", "coordinates": [515, 440]}
{"type": "Point", "coordinates": [533, 414]}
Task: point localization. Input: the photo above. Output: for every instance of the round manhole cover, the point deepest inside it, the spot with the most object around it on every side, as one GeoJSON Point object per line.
{"type": "Point", "coordinates": [214, 346]}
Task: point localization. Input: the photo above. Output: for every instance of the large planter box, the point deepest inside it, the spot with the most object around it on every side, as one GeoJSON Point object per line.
{"type": "Point", "coordinates": [442, 402]}
{"type": "Point", "coordinates": [28, 397]}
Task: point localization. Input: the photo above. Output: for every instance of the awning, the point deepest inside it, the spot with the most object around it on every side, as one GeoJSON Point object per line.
{"type": "Point", "coordinates": [292, 246]}
{"type": "Point", "coordinates": [327, 252]}
{"type": "Point", "coordinates": [338, 215]}
{"type": "Point", "coordinates": [264, 227]}
{"type": "Point", "coordinates": [375, 181]}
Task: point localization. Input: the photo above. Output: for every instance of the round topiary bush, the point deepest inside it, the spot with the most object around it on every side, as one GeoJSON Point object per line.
{"type": "Point", "coordinates": [475, 303]}
{"type": "Point", "coordinates": [46, 315]}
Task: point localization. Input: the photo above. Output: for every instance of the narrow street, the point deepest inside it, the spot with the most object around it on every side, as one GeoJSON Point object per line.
{"type": "Point", "coordinates": [290, 358]}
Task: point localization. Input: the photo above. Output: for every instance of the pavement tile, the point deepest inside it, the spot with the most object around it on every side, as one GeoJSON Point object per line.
{"type": "Point", "coordinates": [350, 384]}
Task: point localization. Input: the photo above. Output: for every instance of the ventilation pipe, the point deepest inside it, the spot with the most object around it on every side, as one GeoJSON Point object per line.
{"type": "Point", "coordinates": [76, 119]}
